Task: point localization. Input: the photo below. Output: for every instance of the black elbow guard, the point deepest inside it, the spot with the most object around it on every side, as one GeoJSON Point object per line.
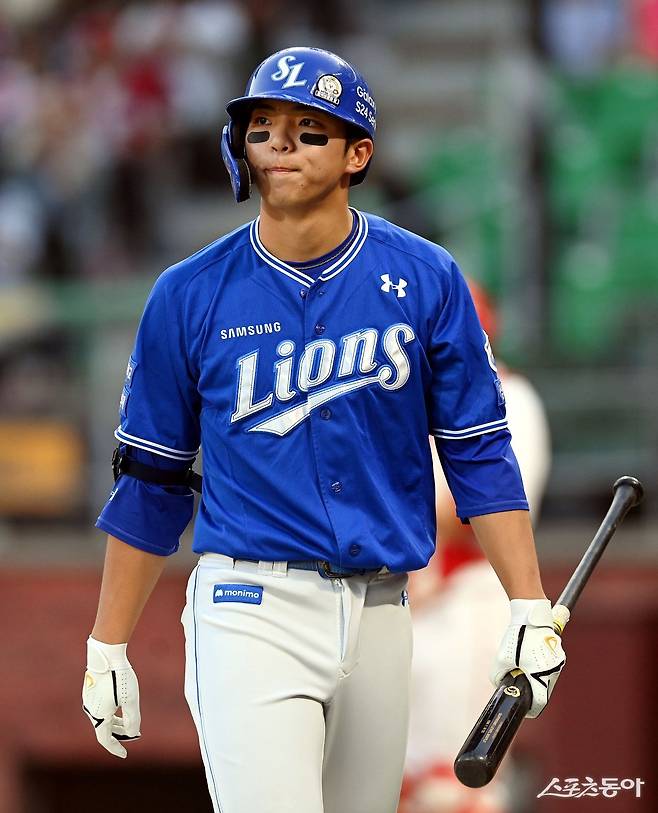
{"type": "Point", "coordinates": [162, 477]}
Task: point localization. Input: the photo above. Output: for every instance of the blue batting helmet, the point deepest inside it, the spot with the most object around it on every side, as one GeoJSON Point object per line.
{"type": "Point", "coordinates": [308, 76]}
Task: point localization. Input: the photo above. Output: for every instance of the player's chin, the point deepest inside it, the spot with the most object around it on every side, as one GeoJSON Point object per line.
{"type": "Point", "coordinates": [278, 184]}
{"type": "Point", "coordinates": [287, 195]}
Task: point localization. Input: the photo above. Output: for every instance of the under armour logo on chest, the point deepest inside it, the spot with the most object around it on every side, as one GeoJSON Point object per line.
{"type": "Point", "coordinates": [389, 285]}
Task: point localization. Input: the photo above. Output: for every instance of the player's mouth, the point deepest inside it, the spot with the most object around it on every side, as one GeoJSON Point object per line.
{"type": "Point", "coordinates": [282, 170]}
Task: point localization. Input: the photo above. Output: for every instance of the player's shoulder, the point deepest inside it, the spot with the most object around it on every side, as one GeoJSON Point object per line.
{"type": "Point", "coordinates": [410, 246]}
{"type": "Point", "coordinates": [206, 264]}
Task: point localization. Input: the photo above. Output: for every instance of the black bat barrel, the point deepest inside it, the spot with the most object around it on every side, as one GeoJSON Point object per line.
{"type": "Point", "coordinates": [628, 492]}
{"type": "Point", "coordinates": [490, 738]}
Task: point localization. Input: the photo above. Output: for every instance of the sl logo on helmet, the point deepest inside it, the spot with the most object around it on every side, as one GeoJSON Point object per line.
{"type": "Point", "coordinates": [288, 71]}
{"type": "Point", "coordinates": [329, 88]}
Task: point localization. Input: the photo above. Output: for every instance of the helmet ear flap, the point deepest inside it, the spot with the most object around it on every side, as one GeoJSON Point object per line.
{"type": "Point", "coordinates": [235, 162]}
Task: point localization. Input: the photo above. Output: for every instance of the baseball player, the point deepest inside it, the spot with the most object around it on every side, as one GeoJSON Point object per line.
{"type": "Point", "coordinates": [311, 353]}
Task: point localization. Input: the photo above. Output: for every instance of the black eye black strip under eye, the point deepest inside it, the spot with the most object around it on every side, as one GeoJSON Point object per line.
{"type": "Point", "coordinates": [257, 137]}
{"type": "Point", "coordinates": [316, 139]}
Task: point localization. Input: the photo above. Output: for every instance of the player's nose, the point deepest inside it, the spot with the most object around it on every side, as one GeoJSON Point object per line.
{"type": "Point", "coordinates": [281, 139]}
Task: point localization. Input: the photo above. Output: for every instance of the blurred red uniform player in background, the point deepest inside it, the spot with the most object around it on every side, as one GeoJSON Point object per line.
{"type": "Point", "coordinates": [459, 606]}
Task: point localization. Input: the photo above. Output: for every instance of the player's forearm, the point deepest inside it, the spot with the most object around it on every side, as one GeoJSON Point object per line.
{"type": "Point", "coordinates": [129, 576]}
{"type": "Point", "coordinates": [507, 540]}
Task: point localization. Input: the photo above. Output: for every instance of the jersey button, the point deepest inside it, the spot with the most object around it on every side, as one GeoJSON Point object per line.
{"type": "Point", "coordinates": [303, 293]}
{"type": "Point", "coordinates": [325, 414]}
{"type": "Point", "coordinates": [320, 329]}
{"type": "Point", "coordinates": [337, 487]}
{"type": "Point", "coordinates": [355, 550]}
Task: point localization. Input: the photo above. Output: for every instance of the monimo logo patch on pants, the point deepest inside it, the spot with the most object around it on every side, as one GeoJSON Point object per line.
{"type": "Point", "coordinates": [246, 593]}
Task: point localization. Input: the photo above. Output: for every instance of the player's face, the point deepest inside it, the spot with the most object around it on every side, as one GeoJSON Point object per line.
{"type": "Point", "coordinates": [300, 156]}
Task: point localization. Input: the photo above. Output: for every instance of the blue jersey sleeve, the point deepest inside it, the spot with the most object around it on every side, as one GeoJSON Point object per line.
{"type": "Point", "coordinates": [146, 515]}
{"type": "Point", "coordinates": [467, 411]}
{"type": "Point", "coordinates": [466, 398]}
{"type": "Point", "coordinates": [159, 406]}
{"type": "Point", "coordinates": [482, 474]}
{"type": "Point", "coordinates": [159, 414]}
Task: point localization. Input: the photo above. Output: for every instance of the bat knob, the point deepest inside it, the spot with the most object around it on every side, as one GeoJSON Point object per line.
{"type": "Point", "coordinates": [474, 771]}
{"type": "Point", "coordinates": [633, 483]}
{"type": "Point", "coordinates": [486, 745]}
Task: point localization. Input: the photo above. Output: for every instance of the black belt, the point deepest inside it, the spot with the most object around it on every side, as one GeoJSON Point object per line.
{"type": "Point", "coordinates": [325, 569]}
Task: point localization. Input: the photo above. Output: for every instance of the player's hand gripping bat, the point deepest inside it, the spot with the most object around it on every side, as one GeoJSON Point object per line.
{"type": "Point", "coordinates": [486, 745]}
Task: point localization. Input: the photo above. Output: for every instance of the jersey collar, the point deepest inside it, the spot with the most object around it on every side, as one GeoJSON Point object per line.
{"type": "Point", "coordinates": [299, 276]}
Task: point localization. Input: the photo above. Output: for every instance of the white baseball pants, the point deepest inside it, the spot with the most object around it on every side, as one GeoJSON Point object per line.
{"type": "Point", "coordinates": [300, 701]}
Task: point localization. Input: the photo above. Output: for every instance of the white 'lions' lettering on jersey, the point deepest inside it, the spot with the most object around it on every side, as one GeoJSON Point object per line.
{"type": "Point", "coordinates": [316, 365]}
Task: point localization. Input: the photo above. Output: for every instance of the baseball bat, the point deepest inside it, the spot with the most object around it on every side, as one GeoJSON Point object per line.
{"type": "Point", "coordinates": [487, 744]}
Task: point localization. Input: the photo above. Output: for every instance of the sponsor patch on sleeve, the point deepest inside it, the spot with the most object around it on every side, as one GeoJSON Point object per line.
{"type": "Point", "coordinates": [130, 371]}
{"type": "Point", "coordinates": [123, 402]}
{"type": "Point", "coordinates": [127, 384]}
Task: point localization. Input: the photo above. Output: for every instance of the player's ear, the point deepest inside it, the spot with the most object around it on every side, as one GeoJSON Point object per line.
{"type": "Point", "coordinates": [359, 152]}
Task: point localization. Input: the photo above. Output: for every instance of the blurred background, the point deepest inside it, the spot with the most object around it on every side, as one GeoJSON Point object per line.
{"type": "Point", "coordinates": [522, 136]}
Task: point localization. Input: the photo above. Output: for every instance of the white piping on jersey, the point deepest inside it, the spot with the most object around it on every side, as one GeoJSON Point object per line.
{"type": "Point", "coordinates": [288, 270]}
{"type": "Point", "coordinates": [299, 276]}
{"type": "Point", "coordinates": [282, 423]}
{"type": "Point", "coordinates": [470, 431]}
{"type": "Point", "coordinates": [155, 448]}
{"type": "Point", "coordinates": [342, 262]}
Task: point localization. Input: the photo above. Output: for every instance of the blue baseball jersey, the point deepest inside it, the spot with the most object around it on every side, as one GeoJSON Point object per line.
{"type": "Point", "coordinates": [313, 397]}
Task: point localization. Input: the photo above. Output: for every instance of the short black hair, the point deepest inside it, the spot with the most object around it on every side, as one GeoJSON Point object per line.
{"type": "Point", "coordinates": [353, 133]}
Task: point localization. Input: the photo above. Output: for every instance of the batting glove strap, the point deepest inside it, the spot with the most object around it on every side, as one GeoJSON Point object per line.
{"type": "Point", "coordinates": [536, 612]}
{"type": "Point", "coordinates": [531, 645]}
{"type": "Point", "coordinates": [102, 657]}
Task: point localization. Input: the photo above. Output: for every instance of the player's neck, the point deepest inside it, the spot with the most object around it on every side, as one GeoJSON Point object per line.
{"type": "Point", "coordinates": [296, 236]}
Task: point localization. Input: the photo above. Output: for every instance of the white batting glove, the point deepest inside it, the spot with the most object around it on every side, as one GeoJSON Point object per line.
{"type": "Point", "coordinates": [111, 684]}
{"type": "Point", "coordinates": [531, 645]}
